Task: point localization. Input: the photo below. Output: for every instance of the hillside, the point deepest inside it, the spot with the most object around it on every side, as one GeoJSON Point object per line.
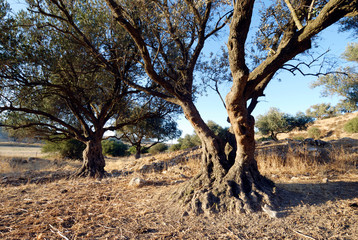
{"type": "Point", "coordinates": [331, 128]}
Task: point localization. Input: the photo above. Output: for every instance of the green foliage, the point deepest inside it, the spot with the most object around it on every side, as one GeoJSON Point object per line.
{"type": "Point", "coordinates": [314, 132]}
{"type": "Point", "coordinates": [217, 129]}
{"type": "Point", "coordinates": [350, 23]}
{"type": "Point", "coordinates": [69, 148]}
{"type": "Point", "coordinates": [321, 111]}
{"type": "Point", "coordinates": [351, 126]}
{"type": "Point", "coordinates": [344, 83]}
{"type": "Point", "coordinates": [158, 148]}
{"type": "Point", "coordinates": [155, 129]}
{"type": "Point", "coordinates": [275, 122]}
{"type": "Point", "coordinates": [299, 138]}
{"type": "Point", "coordinates": [189, 141]}
{"type": "Point", "coordinates": [114, 148]}
{"type": "Point", "coordinates": [175, 147]}
{"type": "Point", "coordinates": [132, 150]}
{"type": "Point", "coordinates": [300, 121]}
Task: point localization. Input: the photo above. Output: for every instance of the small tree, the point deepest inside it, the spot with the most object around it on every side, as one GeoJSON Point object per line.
{"type": "Point", "coordinates": [275, 122]}
{"type": "Point", "coordinates": [151, 130]}
{"type": "Point", "coordinates": [321, 111]}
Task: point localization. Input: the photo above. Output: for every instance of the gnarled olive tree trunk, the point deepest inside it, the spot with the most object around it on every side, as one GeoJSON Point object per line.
{"type": "Point", "coordinates": [229, 178]}
{"type": "Point", "coordinates": [93, 159]}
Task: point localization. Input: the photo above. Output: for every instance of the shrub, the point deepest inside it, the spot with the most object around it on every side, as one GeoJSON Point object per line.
{"type": "Point", "coordinates": [175, 147]}
{"type": "Point", "coordinates": [158, 148]}
{"type": "Point", "coordinates": [114, 148]}
{"type": "Point", "coordinates": [299, 138]}
{"type": "Point", "coordinates": [314, 132]}
{"type": "Point", "coordinates": [132, 150]}
{"type": "Point", "coordinates": [351, 126]}
{"type": "Point", "coordinates": [70, 148]}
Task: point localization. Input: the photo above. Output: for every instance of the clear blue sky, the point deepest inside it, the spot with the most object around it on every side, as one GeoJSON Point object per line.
{"type": "Point", "coordinates": [291, 95]}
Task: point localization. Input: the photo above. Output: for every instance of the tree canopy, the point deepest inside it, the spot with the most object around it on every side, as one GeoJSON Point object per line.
{"type": "Point", "coordinates": [344, 83]}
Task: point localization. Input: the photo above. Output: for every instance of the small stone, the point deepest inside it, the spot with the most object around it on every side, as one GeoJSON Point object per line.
{"type": "Point", "coordinates": [294, 178]}
{"type": "Point", "coordinates": [137, 182]}
{"type": "Point", "coordinates": [325, 180]}
{"type": "Point", "coordinates": [267, 209]}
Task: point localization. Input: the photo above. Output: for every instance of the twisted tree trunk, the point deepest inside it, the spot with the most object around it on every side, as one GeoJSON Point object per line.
{"type": "Point", "coordinates": [229, 177]}
{"type": "Point", "coordinates": [93, 159]}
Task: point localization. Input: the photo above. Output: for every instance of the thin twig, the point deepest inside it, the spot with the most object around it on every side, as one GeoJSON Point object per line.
{"type": "Point", "coordinates": [55, 230]}
{"type": "Point", "coordinates": [304, 235]}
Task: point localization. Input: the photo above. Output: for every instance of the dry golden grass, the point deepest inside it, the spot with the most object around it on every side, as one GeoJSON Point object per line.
{"type": "Point", "coordinates": [10, 149]}
{"type": "Point", "coordinates": [41, 203]}
{"type": "Point", "coordinates": [286, 162]}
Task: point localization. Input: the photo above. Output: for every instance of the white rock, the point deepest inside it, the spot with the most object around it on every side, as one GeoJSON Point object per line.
{"type": "Point", "coordinates": [137, 182]}
{"type": "Point", "coordinates": [267, 209]}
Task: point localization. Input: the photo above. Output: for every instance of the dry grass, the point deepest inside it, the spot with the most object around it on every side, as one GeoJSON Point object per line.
{"type": "Point", "coordinates": [286, 161]}
{"type": "Point", "coordinates": [11, 149]}
{"type": "Point", "coordinates": [41, 203]}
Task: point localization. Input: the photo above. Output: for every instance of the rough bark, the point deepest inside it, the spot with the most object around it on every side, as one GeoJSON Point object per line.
{"type": "Point", "coordinates": [229, 179]}
{"type": "Point", "coordinates": [137, 151]}
{"type": "Point", "coordinates": [93, 160]}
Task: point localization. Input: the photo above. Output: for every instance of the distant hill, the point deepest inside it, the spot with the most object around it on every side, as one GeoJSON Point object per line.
{"type": "Point", "coordinates": [331, 128]}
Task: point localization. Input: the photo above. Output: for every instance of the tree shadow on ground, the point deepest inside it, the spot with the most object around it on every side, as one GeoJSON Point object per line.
{"type": "Point", "coordinates": [295, 194]}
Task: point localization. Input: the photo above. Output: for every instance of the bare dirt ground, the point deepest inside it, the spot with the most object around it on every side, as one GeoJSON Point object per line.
{"type": "Point", "coordinates": [317, 187]}
{"type": "Point", "coordinates": [44, 204]}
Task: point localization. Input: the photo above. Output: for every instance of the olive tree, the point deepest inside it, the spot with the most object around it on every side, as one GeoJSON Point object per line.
{"type": "Point", "coordinates": [170, 35]}
{"type": "Point", "coordinates": [52, 80]}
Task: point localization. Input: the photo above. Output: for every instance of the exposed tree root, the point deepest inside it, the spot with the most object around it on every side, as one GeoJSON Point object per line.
{"type": "Point", "coordinates": [90, 172]}
{"type": "Point", "coordinates": [245, 193]}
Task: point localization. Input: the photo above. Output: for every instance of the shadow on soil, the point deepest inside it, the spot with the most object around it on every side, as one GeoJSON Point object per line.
{"type": "Point", "coordinates": [294, 194]}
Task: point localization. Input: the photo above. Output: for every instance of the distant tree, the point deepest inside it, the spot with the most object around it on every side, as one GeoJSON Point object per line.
{"type": "Point", "coordinates": [301, 121]}
{"type": "Point", "coordinates": [192, 140]}
{"type": "Point", "coordinates": [321, 111]}
{"type": "Point", "coordinates": [272, 123]}
{"type": "Point", "coordinates": [275, 122]}
{"type": "Point", "coordinates": [152, 130]}
{"type": "Point", "coordinates": [114, 147]}
{"type": "Point", "coordinates": [158, 148]}
{"type": "Point", "coordinates": [344, 83]}
{"type": "Point", "coordinates": [189, 141]}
